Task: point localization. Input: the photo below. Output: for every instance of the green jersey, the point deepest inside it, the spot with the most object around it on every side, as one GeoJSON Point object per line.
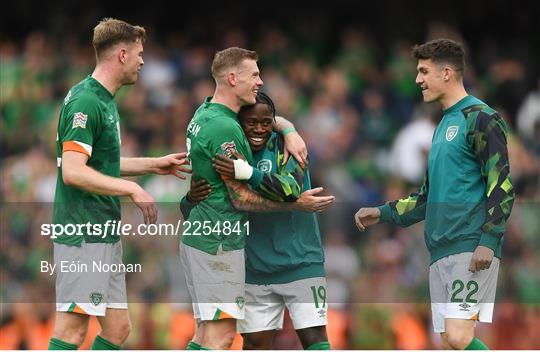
{"type": "Point", "coordinates": [467, 194]}
{"type": "Point", "coordinates": [214, 222]}
{"type": "Point", "coordinates": [285, 246]}
{"type": "Point", "coordinates": [88, 124]}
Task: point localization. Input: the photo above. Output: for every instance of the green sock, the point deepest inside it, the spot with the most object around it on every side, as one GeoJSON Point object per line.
{"type": "Point", "coordinates": [324, 345]}
{"type": "Point", "coordinates": [476, 344]}
{"type": "Point", "coordinates": [193, 346]}
{"type": "Point", "coordinates": [204, 348]}
{"type": "Point", "coordinates": [56, 344]}
{"type": "Point", "coordinates": [101, 344]}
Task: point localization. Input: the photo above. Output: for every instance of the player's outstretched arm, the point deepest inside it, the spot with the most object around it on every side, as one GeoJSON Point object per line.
{"type": "Point", "coordinates": [366, 217]}
{"type": "Point", "coordinates": [294, 144]}
{"type": "Point", "coordinates": [172, 164]}
{"type": "Point", "coordinates": [245, 199]}
{"type": "Point", "coordinates": [407, 211]}
{"type": "Point", "coordinates": [76, 173]}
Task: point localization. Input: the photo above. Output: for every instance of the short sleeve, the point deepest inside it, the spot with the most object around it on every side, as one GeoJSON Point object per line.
{"type": "Point", "coordinates": [81, 123]}
{"type": "Point", "coordinates": [227, 138]}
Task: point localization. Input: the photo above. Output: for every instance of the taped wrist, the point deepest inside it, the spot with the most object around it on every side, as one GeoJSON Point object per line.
{"type": "Point", "coordinates": [242, 170]}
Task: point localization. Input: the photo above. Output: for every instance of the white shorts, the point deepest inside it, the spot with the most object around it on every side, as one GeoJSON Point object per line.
{"type": "Point", "coordinates": [306, 301]}
{"type": "Point", "coordinates": [460, 294]}
{"type": "Point", "coordinates": [216, 283]}
{"type": "Point", "coordinates": [84, 284]}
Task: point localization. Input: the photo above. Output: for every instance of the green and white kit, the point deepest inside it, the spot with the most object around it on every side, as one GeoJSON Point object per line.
{"type": "Point", "coordinates": [88, 124]}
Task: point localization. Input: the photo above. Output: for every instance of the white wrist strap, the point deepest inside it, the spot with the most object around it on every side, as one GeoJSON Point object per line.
{"type": "Point", "coordinates": [242, 170]}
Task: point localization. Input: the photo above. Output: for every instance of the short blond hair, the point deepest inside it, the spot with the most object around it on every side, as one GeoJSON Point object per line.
{"type": "Point", "coordinates": [230, 57]}
{"type": "Point", "coordinates": [111, 31]}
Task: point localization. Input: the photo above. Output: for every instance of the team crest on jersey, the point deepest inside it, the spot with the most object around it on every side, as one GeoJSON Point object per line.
{"type": "Point", "coordinates": [240, 302]}
{"type": "Point", "coordinates": [227, 148]}
{"type": "Point", "coordinates": [451, 132]}
{"type": "Point", "coordinates": [96, 298]}
{"type": "Point", "coordinates": [264, 165]}
{"type": "Point", "coordinates": [79, 120]}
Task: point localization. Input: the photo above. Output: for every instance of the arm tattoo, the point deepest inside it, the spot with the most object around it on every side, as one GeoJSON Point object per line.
{"type": "Point", "coordinates": [245, 199]}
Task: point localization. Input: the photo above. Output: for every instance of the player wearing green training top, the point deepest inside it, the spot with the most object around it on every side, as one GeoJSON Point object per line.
{"type": "Point", "coordinates": [284, 255]}
{"type": "Point", "coordinates": [212, 244]}
{"type": "Point", "coordinates": [88, 187]}
{"type": "Point", "coordinates": [465, 200]}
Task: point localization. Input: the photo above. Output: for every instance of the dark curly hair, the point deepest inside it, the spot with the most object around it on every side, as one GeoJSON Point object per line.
{"type": "Point", "coordinates": [261, 99]}
{"type": "Point", "coordinates": [442, 51]}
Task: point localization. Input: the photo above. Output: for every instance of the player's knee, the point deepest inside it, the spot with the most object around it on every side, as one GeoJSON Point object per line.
{"type": "Point", "coordinates": [71, 334]}
{"type": "Point", "coordinates": [123, 331]}
{"type": "Point", "coordinates": [219, 335]}
{"type": "Point", "coordinates": [256, 341]}
{"type": "Point", "coordinates": [223, 343]}
{"type": "Point", "coordinates": [228, 339]}
{"type": "Point", "coordinates": [459, 339]}
{"type": "Point", "coordinates": [444, 342]}
{"type": "Point", "coordinates": [119, 334]}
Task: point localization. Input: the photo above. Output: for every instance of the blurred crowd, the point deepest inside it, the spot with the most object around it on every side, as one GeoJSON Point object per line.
{"type": "Point", "coordinates": [368, 134]}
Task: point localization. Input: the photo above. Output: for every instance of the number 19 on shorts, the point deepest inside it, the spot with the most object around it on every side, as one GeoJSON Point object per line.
{"type": "Point", "coordinates": [319, 296]}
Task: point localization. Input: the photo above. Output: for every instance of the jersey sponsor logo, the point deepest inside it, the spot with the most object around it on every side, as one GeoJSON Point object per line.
{"type": "Point", "coordinates": [227, 148]}
{"type": "Point", "coordinates": [240, 302]}
{"type": "Point", "coordinates": [265, 165]}
{"type": "Point", "coordinates": [96, 298]}
{"type": "Point", "coordinates": [451, 132]}
{"type": "Point", "coordinates": [79, 120]}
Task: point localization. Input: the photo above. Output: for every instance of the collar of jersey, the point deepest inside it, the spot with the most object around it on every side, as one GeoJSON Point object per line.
{"type": "Point", "coordinates": [463, 103]}
{"type": "Point", "coordinates": [222, 108]}
{"type": "Point", "coordinates": [105, 90]}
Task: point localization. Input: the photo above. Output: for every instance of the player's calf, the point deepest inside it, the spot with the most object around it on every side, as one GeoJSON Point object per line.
{"type": "Point", "coordinates": [261, 340]}
{"type": "Point", "coordinates": [314, 338]}
{"type": "Point", "coordinates": [115, 326]}
{"type": "Point", "coordinates": [70, 328]}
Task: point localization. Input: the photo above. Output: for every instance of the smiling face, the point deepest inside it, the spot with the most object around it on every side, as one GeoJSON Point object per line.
{"type": "Point", "coordinates": [248, 82]}
{"type": "Point", "coordinates": [257, 123]}
{"type": "Point", "coordinates": [432, 79]}
{"type": "Point", "coordinates": [133, 61]}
